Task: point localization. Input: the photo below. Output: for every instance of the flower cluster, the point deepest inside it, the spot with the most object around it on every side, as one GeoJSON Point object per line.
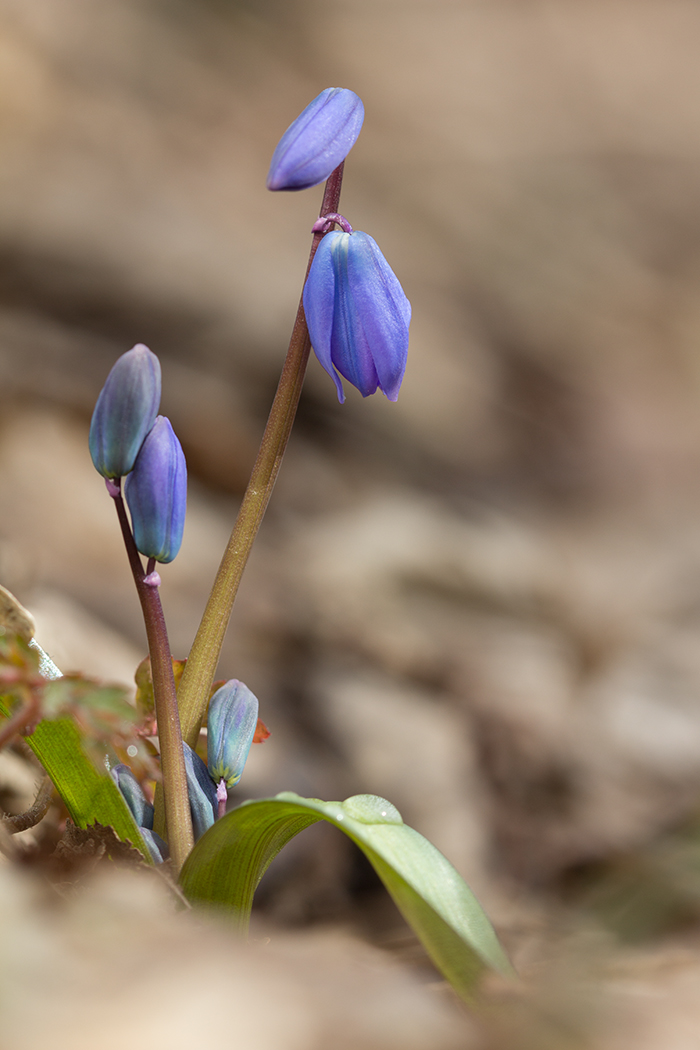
{"type": "Point", "coordinates": [231, 727]}
{"type": "Point", "coordinates": [358, 321]}
{"type": "Point", "coordinates": [356, 310]}
{"type": "Point", "coordinates": [128, 438]}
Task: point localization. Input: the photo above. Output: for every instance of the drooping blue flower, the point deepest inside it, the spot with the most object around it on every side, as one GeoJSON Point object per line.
{"type": "Point", "coordinates": [358, 314]}
{"type": "Point", "coordinates": [233, 716]}
{"type": "Point", "coordinates": [201, 790]}
{"type": "Point", "coordinates": [141, 809]}
{"type": "Point", "coordinates": [125, 412]}
{"type": "Point", "coordinates": [317, 141]}
{"type": "Point", "coordinates": [156, 492]}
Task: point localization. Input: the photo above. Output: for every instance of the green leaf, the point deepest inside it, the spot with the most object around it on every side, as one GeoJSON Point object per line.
{"type": "Point", "coordinates": [228, 862]}
{"type": "Point", "coordinates": [89, 796]}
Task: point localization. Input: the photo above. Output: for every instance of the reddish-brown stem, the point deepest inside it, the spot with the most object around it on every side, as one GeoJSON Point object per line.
{"type": "Point", "coordinates": [178, 819]}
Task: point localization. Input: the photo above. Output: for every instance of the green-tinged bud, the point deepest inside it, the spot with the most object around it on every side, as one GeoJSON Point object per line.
{"type": "Point", "coordinates": [125, 412]}
{"type": "Point", "coordinates": [233, 717]}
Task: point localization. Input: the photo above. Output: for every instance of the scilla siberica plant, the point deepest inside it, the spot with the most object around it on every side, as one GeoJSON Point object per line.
{"type": "Point", "coordinates": [356, 317]}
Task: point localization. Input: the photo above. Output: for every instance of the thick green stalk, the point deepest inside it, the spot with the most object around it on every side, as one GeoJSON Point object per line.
{"type": "Point", "coordinates": [174, 798]}
{"type": "Point", "coordinates": [195, 685]}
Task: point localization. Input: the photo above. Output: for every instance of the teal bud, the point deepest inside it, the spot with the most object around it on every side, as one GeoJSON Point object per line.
{"type": "Point", "coordinates": [156, 492]}
{"type": "Point", "coordinates": [125, 412]}
{"type": "Point", "coordinates": [233, 717]}
{"type": "Point", "coordinates": [201, 790]}
{"type": "Point", "coordinates": [141, 809]}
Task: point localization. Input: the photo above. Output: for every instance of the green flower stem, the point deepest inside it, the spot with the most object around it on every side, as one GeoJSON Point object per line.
{"type": "Point", "coordinates": [196, 682]}
{"type": "Point", "coordinates": [174, 798]}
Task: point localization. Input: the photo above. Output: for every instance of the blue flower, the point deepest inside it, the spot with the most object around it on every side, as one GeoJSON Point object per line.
{"type": "Point", "coordinates": [125, 412]}
{"type": "Point", "coordinates": [233, 716]}
{"type": "Point", "coordinates": [156, 492]}
{"type": "Point", "coordinates": [318, 140]}
{"type": "Point", "coordinates": [358, 314]}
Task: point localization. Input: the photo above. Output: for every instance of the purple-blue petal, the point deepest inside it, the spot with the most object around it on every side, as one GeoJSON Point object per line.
{"type": "Point", "coordinates": [383, 309]}
{"type": "Point", "coordinates": [156, 492]}
{"type": "Point", "coordinates": [358, 314]}
{"type": "Point", "coordinates": [125, 412]}
{"type": "Point", "coordinates": [319, 307]}
{"type": "Point", "coordinates": [130, 789]}
{"type": "Point", "coordinates": [317, 141]}
{"type": "Point", "coordinates": [201, 791]}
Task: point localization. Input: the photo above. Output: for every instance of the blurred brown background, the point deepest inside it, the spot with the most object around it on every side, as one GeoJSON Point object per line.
{"type": "Point", "coordinates": [484, 601]}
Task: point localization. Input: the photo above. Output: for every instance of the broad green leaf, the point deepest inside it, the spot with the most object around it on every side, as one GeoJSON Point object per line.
{"type": "Point", "coordinates": [89, 796]}
{"type": "Point", "coordinates": [228, 862]}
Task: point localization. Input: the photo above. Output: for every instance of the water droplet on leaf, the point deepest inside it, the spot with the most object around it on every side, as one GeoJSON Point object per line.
{"type": "Point", "coordinates": [371, 809]}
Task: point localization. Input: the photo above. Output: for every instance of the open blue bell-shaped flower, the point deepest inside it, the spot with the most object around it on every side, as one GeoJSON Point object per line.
{"type": "Point", "coordinates": [358, 314]}
{"type": "Point", "coordinates": [156, 492]}
{"type": "Point", "coordinates": [233, 717]}
{"type": "Point", "coordinates": [125, 412]}
{"type": "Point", "coordinates": [317, 141]}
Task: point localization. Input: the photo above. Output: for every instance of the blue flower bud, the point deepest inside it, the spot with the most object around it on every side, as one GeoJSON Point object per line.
{"type": "Point", "coordinates": [202, 792]}
{"type": "Point", "coordinates": [125, 412]}
{"type": "Point", "coordinates": [233, 716]}
{"type": "Point", "coordinates": [156, 847]}
{"type": "Point", "coordinates": [318, 140]}
{"type": "Point", "coordinates": [141, 810]}
{"type": "Point", "coordinates": [156, 492]}
{"type": "Point", "coordinates": [358, 314]}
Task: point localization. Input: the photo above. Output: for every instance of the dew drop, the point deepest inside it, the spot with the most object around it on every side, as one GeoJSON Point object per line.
{"type": "Point", "coordinates": [371, 809]}
{"type": "Point", "coordinates": [132, 751]}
